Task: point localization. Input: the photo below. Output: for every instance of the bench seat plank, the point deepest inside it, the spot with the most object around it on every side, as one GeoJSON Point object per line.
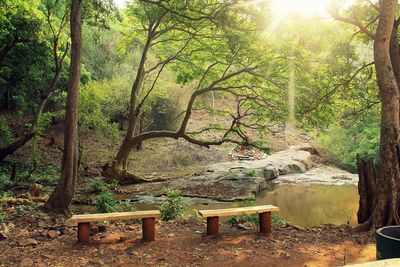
{"type": "Point", "coordinates": [114, 216]}
{"type": "Point", "coordinates": [238, 211]}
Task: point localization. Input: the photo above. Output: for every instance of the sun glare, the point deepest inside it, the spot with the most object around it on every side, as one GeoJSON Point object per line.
{"type": "Point", "coordinates": [303, 8]}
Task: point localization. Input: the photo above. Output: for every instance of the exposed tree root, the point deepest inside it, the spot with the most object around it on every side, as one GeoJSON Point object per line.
{"type": "Point", "coordinates": [124, 177]}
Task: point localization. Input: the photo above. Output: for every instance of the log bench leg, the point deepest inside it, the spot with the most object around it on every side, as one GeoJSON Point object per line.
{"type": "Point", "coordinates": [83, 232]}
{"type": "Point", "coordinates": [265, 222]}
{"type": "Point", "coordinates": [212, 225]}
{"type": "Point", "coordinates": [149, 229]}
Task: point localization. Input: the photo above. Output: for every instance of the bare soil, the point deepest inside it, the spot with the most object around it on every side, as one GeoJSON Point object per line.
{"type": "Point", "coordinates": [181, 243]}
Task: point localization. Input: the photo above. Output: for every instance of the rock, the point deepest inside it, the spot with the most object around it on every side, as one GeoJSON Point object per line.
{"type": "Point", "coordinates": [41, 224]}
{"type": "Point", "coordinates": [5, 230]}
{"type": "Point", "coordinates": [35, 190]}
{"type": "Point", "coordinates": [26, 262]}
{"type": "Point", "coordinates": [96, 262]}
{"type": "Point", "coordinates": [322, 174]}
{"type": "Point", "coordinates": [28, 242]}
{"type": "Point", "coordinates": [270, 173]}
{"type": "Point", "coordinates": [16, 201]}
{"type": "Point", "coordinates": [53, 234]}
{"type": "Point", "coordinates": [245, 226]}
{"type": "Point", "coordinates": [3, 235]}
{"type": "Point", "coordinates": [297, 227]}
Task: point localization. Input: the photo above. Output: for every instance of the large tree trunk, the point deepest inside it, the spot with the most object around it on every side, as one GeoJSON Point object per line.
{"type": "Point", "coordinates": [65, 189]}
{"type": "Point", "coordinates": [366, 188]}
{"type": "Point", "coordinates": [385, 209]}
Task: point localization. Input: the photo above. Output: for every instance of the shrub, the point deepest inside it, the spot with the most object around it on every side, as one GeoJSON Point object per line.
{"type": "Point", "coordinates": [48, 177]}
{"type": "Point", "coordinates": [251, 173]}
{"type": "Point", "coordinates": [173, 206]}
{"type": "Point", "coordinates": [5, 133]}
{"type": "Point", "coordinates": [4, 183]}
{"type": "Point", "coordinates": [105, 203]}
{"type": "Point", "coordinates": [98, 185]}
{"type": "Point", "coordinates": [24, 208]}
{"type": "Point", "coordinates": [343, 144]}
{"type": "Point", "coordinates": [2, 218]}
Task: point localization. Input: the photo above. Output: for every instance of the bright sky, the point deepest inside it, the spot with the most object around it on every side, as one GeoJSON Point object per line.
{"type": "Point", "coordinates": [305, 8]}
{"type": "Point", "coordinates": [120, 3]}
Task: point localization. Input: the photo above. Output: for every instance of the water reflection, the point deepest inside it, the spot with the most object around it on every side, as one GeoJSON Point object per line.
{"type": "Point", "coordinates": [311, 205]}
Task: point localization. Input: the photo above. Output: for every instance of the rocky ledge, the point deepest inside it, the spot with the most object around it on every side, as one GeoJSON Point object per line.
{"type": "Point", "coordinates": [242, 180]}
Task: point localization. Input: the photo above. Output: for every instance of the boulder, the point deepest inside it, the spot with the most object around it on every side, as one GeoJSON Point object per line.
{"type": "Point", "coordinates": [28, 242]}
{"type": "Point", "coordinates": [35, 190]}
{"type": "Point", "coordinates": [270, 173]}
{"type": "Point", "coordinates": [53, 234]}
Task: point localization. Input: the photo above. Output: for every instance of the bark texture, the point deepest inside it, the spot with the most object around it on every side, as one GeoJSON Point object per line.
{"type": "Point", "coordinates": [384, 204]}
{"type": "Point", "coordinates": [61, 197]}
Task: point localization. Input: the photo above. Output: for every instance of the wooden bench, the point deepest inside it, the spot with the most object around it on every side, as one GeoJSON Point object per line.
{"type": "Point", "coordinates": [264, 213]}
{"type": "Point", "coordinates": [148, 222]}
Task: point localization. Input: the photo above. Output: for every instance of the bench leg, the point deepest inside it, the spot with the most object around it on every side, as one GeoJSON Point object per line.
{"type": "Point", "coordinates": [149, 229]}
{"type": "Point", "coordinates": [83, 232]}
{"type": "Point", "coordinates": [212, 225]}
{"type": "Point", "coordinates": [265, 222]}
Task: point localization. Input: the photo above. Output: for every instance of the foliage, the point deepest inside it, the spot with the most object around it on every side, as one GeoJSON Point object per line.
{"type": "Point", "coordinates": [278, 221]}
{"type": "Point", "coordinates": [251, 218]}
{"type": "Point", "coordinates": [98, 185]}
{"type": "Point", "coordinates": [252, 173]}
{"type": "Point", "coordinates": [49, 176]}
{"type": "Point", "coordinates": [5, 133]}
{"type": "Point", "coordinates": [97, 102]}
{"type": "Point", "coordinates": [3, 218]}
{"type": "Point", "coordinates": [24, 208]}
{"type": "Point", "coordinates": [4, 182]}
{"type": "Point", "coordinates": [105, 202]}
{"type": "Point", "coordinates": [345, 143]}
{"type": "Point", "coordinates": [173, 206]}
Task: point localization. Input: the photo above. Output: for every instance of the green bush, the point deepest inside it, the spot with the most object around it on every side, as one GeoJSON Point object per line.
{"type": "Point", "coordinates": [253, 218]}
{"type": "Point", "coordinates": [24, 208]}
{"type": "Point", "coordinates": [173, 206]}
{"type": "Point", "coordinates": [3, 218]}
{"type": "Point", "coordinates": [105, 203]}
{"type": "Point", "coordinates": [98, 185]}
{"type": "Point", "coordinates": [251, 173]}
{"type": "Point", "coordinates": [48, 177]}
{"type": "Point", "coordinates": [5, 133]}
{"type": "Point", "coordinates": [344, 143]}
{"type": "Point", "coordinates": [4, 183]}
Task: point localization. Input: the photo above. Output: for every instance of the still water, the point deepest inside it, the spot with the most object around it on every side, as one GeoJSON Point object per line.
{"type": "Point", "coordinates": [305, 205]}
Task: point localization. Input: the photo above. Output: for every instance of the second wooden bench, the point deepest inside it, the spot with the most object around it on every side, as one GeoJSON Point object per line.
{"type": "Point", "coordinates": [264, 213]}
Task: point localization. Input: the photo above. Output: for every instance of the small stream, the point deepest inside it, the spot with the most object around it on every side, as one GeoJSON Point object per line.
{"type": "Point", "coordinates": [305, 205]}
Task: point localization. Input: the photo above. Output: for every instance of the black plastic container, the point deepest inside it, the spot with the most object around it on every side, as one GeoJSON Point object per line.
{"type": "Point", "coordinates": [388, 242]}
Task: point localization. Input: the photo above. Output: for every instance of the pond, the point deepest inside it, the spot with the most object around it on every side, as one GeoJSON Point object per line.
{"type": "Point", "coordinates": [305, 205]}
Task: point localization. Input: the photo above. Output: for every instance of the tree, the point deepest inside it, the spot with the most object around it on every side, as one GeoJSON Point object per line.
{"type": "Point", "coordinates": [65, 189]}
{"type": "Point", "coordinates": [379, 187]}
{"type": "Point", "coordinates": [56, 28]}
{"type": "Point", "coordinates": [209, 44]}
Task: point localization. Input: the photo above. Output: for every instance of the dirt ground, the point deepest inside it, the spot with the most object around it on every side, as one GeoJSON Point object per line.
{"type": "Point", "coordinates": [179, 243]}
